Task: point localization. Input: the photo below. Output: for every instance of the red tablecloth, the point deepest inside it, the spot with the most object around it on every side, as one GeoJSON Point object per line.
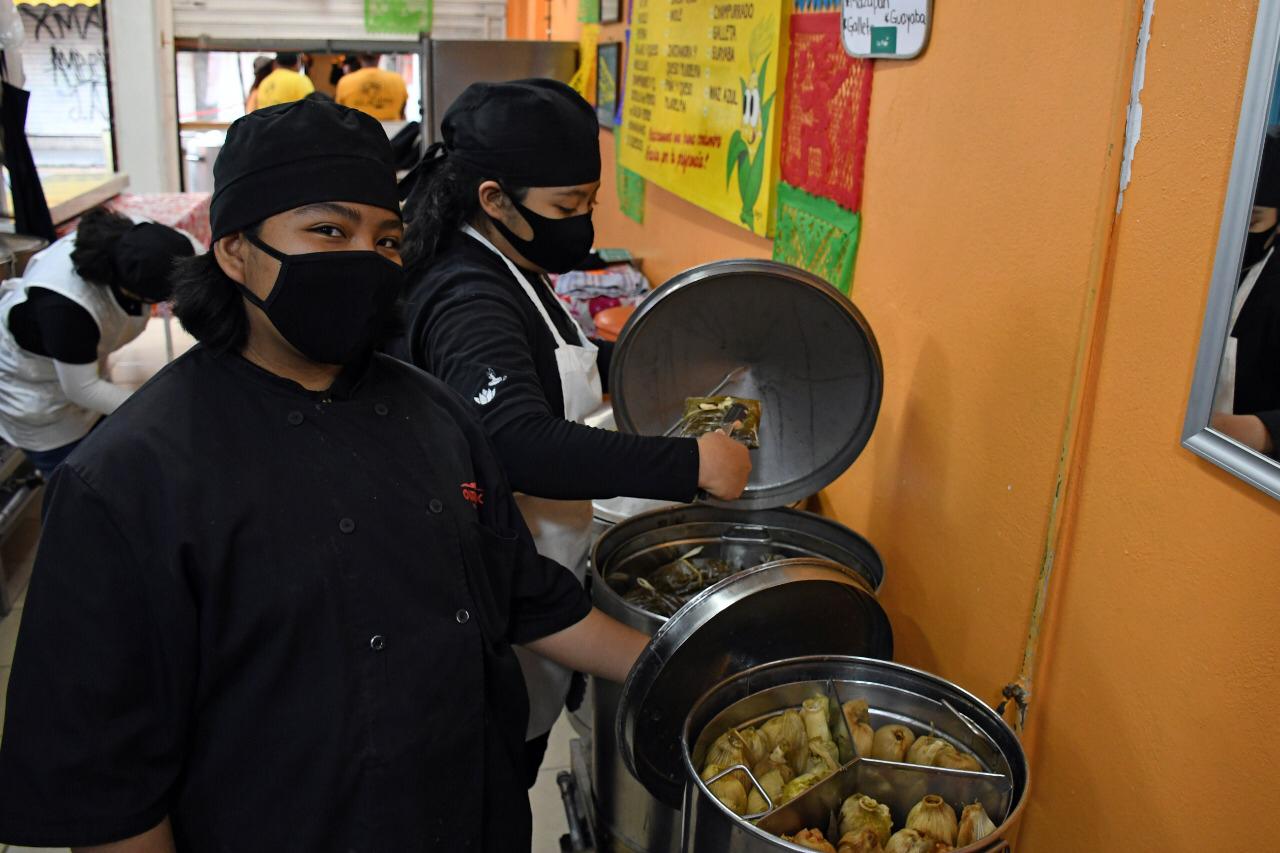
{"type": "Point", "coordinates": [188, 211]}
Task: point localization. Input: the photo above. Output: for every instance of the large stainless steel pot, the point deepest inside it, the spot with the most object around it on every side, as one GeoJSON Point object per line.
{"type": "Point", "coordinates": [741, 621]}
{"type": "Point", "coordinates": [743, 538]}
{"type": "Point", "coordinates": [770, 332]}
{"type": "Point", "coordinates": [633, 819]}
{"type": "Point", "coordinates": [897, 694]}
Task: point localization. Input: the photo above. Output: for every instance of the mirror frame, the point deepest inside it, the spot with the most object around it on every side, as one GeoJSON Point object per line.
{"type": "Point", "coordinates": [1228, 454]}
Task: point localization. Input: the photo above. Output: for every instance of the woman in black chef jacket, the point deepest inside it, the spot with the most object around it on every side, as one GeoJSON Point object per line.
{"type": "Point", "coordinates": [506, 198]}
{"type": "Point", "coordinates": [276, 594]}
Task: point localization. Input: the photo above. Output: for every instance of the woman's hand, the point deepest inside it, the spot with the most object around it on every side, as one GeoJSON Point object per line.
{"type": "Point", "coordinates": [723, 466]}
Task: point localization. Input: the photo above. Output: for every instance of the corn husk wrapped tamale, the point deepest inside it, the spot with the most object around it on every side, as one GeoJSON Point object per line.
{"type": "Point", "coordinates": [811, 839]}
{"type": "Point", "coordinates": [706, 414]}
{"type": "Point", "coordinates": [773, 773]}
{"type": "Point", "coordinates": [786, 732]}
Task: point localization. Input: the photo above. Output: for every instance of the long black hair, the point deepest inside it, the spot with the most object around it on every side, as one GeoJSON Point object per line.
{"type": "Point", "coordinates": [445, 196]}
{"type": "Point", "coordinates": [261, 73]}
{"type": "Point", "coordinates": [96, 237]}
{"type": "Point", "coordinates": [207, 302]}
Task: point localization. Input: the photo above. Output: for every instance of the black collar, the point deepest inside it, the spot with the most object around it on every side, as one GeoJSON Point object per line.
{"type": "Point", "coordinates": [344, 387]}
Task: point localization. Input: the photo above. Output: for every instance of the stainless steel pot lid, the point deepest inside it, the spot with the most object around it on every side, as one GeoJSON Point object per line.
{"type": "Point", "coordinates": [809, 357]}
{"type": "Point", "coordinates": [789, 608]}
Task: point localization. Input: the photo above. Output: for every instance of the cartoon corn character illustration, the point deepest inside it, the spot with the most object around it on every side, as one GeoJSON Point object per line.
{"type": "Point", "coordinates": [755, 127]}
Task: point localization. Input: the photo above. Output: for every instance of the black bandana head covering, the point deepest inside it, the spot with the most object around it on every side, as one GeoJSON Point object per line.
{"type": "Point", "coordinates": [527, 133]}
{"type": "Point", "coordinates": [143, 259]}
{"type": "Point", "coordinates": [303, 152]}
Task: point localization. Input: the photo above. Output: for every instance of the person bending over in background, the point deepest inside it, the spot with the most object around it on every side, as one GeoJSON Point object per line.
{"type": "Point", "coordinates": [81, 299]}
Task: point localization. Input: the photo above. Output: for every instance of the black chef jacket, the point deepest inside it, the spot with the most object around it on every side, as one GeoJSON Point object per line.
{"type": "Point", "coordinates": [284, 619]}
{"type": "Point", "coordinates": [468, 322]}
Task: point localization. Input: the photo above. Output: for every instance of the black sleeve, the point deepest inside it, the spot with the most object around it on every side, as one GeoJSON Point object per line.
{"type": "Point", "coordinates": [102, 682]}
{"type": "Point", "coordinates": [478, 346]}
{"type": "Point", "coordinates": [541, 596]}
{"type": "Point", "coordinates": [549, 457]}
{"type": "Point", "coordinates": [546, 597]}
{"type": "Point", "coordinates": [55, 326]}
{"type": "Point", "coordinates": [1271, 421]}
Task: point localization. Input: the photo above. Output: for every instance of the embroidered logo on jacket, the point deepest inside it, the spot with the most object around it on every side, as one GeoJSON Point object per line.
{"type": "Point", "coordinates": [489, 391]}
{"type": "Point", "coordinates": [473, 494]}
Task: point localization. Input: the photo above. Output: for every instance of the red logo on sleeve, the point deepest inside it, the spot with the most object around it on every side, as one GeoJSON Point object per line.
{"type": "Point", "coordinates": [474, 494]}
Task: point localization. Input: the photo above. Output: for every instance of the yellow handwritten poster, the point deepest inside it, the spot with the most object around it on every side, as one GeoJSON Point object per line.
{"type": "Point", "coordinates": [701, 115]}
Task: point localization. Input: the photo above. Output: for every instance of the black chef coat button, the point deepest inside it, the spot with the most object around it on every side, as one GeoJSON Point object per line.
{"type": "Point", "coordinates": [295, 418]}
{"type": "Point", "coordinates": [380, 408]}
{"type": "Point", "coordinates": [462, 616]}
{"type": "Point", "coordinates": [436, 505]}
{"type": "Point", "coordinates": [346, 525]}
{"type": "Point", "coordinates": [377, 642]}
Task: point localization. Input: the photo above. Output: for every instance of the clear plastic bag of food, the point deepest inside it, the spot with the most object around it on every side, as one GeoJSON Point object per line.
{"type": "Point", "coordinates": [708, 414]}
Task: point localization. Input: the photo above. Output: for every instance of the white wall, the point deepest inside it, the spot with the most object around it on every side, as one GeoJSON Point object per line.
{"type": "Point", "coordinates": [140, 42]}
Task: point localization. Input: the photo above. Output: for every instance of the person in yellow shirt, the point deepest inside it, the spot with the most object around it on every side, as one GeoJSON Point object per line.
{"type": "Point", "coordinates": [285, 84]}
{"type": "Point", "coordinates": [262, 66]}
{"type": "Point", "coordinates": [381, 94]}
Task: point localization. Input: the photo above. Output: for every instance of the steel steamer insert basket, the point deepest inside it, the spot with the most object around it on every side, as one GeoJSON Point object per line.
{"type": "Point", "coordinates": [791, 623]}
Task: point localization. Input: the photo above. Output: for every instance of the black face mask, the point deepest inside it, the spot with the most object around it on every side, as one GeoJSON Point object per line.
{"type": "Point", "coordinates": [331, 306]}
{"type": "Point", "coordinates": [558, 245]}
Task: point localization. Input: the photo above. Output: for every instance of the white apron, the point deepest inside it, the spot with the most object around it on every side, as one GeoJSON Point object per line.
{"type": "Point", "coordinates": [561, 529]}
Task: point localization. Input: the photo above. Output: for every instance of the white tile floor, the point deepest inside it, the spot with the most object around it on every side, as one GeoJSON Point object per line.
{"type": "Point", "coordinates": [544, 799]}
{"type": "Point", "coordinates": [132, 365]}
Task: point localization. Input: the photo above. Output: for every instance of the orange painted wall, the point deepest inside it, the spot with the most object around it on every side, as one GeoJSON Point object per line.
{"type": "Point", "coordinates": [1166, 631]}
{"type": "Point", "coordinates": [992, 174]}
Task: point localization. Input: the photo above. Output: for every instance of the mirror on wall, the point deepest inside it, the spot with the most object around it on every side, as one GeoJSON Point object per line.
{"type": "Point", "coordinates": [1233, 416]}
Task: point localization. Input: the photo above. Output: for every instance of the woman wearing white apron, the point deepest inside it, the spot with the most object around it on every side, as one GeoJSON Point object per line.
{"type": "Point", "coordinates": [505, 199]}
{"type": "Point", "coordinates": [79, 300]}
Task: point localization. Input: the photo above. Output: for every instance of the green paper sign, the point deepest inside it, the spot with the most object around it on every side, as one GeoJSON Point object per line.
{"type": "Point", "coordinates": [631, 189]}
{"type": "Point", "coordinates": [589, 11]}
{"type": "Point", "coordinates": [397, 16]}
{"type": "Point", "coordinates": [884, 40]}
{"type": "Point", "coordinates": [817, 235]}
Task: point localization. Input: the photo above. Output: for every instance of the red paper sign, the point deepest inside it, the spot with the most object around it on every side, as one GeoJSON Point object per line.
{"type": "Point", "coordinates": [824, 130]}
